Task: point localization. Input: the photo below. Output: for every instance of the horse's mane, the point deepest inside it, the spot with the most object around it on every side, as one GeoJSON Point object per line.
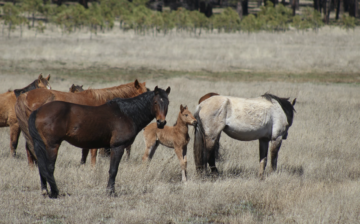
{"type": "Point", "coordinates": [285, 105]}
{"type": "Point", "coordinates": [130, 106]}
{"type": "Point", "coordinates": [31, 86]}
{"type": "Point", "coordinates": [122, 91]}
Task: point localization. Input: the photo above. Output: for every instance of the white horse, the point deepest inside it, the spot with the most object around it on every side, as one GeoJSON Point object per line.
{"type": "Point", "coordinates": [267, 118]}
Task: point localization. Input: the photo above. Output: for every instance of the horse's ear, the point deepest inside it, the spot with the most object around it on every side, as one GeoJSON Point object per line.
{"type": "Point", "coordinates": [137, 84]}
{"type": "Point", "coordinates": [168, 90]}
{"type": "Point", "coordinates": [156, 90]}
{"type": "Point", "coordinates": [48, 77]}
{"type": "Point", "coordinates": [294, 101]}
{"type": "Point", "coordinates": [40, 76]}
{"type": "Point", "coordinates": [81, 86]}
{"type": "Point", "coordinates": [181, 108]}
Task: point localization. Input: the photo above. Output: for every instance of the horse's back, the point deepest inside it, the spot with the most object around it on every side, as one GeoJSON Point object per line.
{"type": "Point", "coordinates": [246, 118]}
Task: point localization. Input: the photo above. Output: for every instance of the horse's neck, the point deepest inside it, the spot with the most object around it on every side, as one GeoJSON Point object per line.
{"type": "Point", "coordinates": [139, 111]}
{"type": "Point", "coordinates": [25, 89]}
{"type": "Point", "coordinates": [181, 126]}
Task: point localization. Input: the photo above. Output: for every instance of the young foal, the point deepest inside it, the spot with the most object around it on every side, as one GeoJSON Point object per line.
{"type": "Point", "coordinates": [175, 137]}
{"type": "Point", "coordinates": [7, 109]}
{"type": "Point", "coordinates": [114, 124]}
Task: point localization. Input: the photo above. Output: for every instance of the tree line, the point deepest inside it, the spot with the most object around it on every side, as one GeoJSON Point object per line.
{"type": "Point", "coordinates": [101, 17]}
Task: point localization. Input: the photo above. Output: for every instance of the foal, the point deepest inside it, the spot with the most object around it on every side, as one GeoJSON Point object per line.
{"type": "Point", "coordinates": [175, 137]}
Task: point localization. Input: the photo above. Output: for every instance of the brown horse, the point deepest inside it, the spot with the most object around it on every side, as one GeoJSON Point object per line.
{"type": "Point", "coordinates": [114, 124]}
{"type": "Point", "coordinates": [76, 89]}
{"type": "Point", "coordinates": [7, 109]}
{"type": "Point", "coordinates": [30, 101]}
{"type": "Point", "coordinates": [207, 96]}
{"type": "Point", "coordinates": [175, 137]}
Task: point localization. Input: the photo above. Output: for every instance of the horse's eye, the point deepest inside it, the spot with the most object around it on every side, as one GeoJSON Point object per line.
{"type": "Point", "coordinates": [186, 115]}
{"type": "Point", "coordinates": [155, 102]}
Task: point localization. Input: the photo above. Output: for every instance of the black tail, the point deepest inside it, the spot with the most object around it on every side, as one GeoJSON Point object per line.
{"type": "Point", "coordinates": [199, 144]}
{"type": "Point", "coordinates": [39, 146]}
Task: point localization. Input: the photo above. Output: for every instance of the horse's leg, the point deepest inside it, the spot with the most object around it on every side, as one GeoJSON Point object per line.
{"type": "Point", "coordinates": [85, 153]}
{"type": "Point", "coordinates": [181, 154]}
{"type": "Point", "coordinates": [274, 150]}
{"type": "Point", "coordinates": [46, 164]}
{"type": "Point", "coordinates": [93, 157]}
{"type": "Point", "coordinates": [263, 149]}
{"type": "Point", "coordinates": [30, 156]}
{"type": "Point", "coordinates": [115, 157]}
{"type": "Point", "coordinates": [14, 138]}
{"type": "Point", "coordinates": [212, 156]}
{"type": "Point", "coordinates": [151, 147]}
{"type": "Point", "coordinates": [128, 150]}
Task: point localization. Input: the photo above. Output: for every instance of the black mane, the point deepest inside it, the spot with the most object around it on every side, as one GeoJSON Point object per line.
{"type": "Point", "coordinates": [285, 105]}
{"type": "Point", "coordinates": [139, 108]}
{"type": "Point", "coordinates": [31, 86]}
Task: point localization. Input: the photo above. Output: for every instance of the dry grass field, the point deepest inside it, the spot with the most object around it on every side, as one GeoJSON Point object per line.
{"type": "Point", "coordinates": [318, 176]}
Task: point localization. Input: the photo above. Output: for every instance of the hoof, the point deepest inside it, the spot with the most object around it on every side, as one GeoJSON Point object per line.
{"type": "Point", "coordinates": [53, 195]}
{"type": "Point", "coordinates": [44, 192]}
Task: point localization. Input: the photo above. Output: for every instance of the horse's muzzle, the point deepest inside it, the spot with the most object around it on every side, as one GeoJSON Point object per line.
{"type": "Point", "coordinates": [160, 124]}
{"type": "Point", "coordinates": [194, 123]}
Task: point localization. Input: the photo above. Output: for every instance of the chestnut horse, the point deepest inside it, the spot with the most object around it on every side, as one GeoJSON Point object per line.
{"type": "Point", "coordinates": [7, 109]}
{"type": "Point", "coordinates": [207, 96]}
{"type": "Point", "coordinates": [30, 101]}
{"type": "Point", "coordinates": [175, 137]}
{"type": "Point", "coordinates": [267, 118]}
{"type": "Point", "coordinates": [114, 124]}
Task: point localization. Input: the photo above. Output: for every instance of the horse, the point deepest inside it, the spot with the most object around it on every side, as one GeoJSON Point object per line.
{"type": "Point", "coordinates": [75, 88]}
{"type": "Point", "coordinates": [30, 101]}
{"type": "Point", "coordinates": [175, 137]}
{"type": "Point", "coordinates": [266, 118]}
{"type": "Point", "coordinates": [207, 96]}
{"type": "Point", "coordinates": [114, 124]}
{"type": "Point", "coordinates": [7, 109]}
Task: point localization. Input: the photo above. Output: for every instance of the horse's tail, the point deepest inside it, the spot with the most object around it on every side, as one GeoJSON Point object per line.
{"type": "Point", "coordinates": [39, 145]}
{"type": "Point", "coordinates": [21, 109]}
{"type": "Point", "coordinates": [40, 151]}
{"type": "Point", "coordinates": [199, 143]}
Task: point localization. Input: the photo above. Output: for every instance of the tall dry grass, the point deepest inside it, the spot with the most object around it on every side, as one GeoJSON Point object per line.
{"type": "Point", "coordinates": [317, 179]}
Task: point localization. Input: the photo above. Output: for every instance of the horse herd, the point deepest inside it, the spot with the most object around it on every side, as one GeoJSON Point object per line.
{"type": "Point", "coordinates": [112, 118]}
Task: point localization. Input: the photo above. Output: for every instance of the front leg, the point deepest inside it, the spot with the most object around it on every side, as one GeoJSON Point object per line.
{"type": "Point", "coordinates": [84, 154]}
{"type": "Point", "coordinates": [263, 151]}
{"type": "Point", "coordinates": [115, 157]}
{"type": "Point", "coordinates": [274, 150]}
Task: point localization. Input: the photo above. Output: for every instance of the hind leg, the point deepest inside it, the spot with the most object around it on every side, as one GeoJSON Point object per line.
{"type": "Point", "coordinates": [30, 156]}
{"type": "Point", "coordinates": [212, 156]}
{"type": "Point", "coordinates": [151, 146]}
{"type": "Point", "coordinates": [263, 150]}
{"type": "Point", "coordinates": [14, 138]}
{"type": "Point", "coordinates": [181, 154]}
{"type": "Point", "coordinates": [274, 150]}
{"type": "Point", "coordinates": [46, 164]}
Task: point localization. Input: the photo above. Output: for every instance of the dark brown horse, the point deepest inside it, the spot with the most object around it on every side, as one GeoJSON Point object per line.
{"type": "Point", "coordinates": [30, 101]}
{"type": "Point", "coordinates": [76, 89]}
{"type": "Point", "coordinates": [7, 109]}
{"type": "Point", "coordinates": [114, 124]}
